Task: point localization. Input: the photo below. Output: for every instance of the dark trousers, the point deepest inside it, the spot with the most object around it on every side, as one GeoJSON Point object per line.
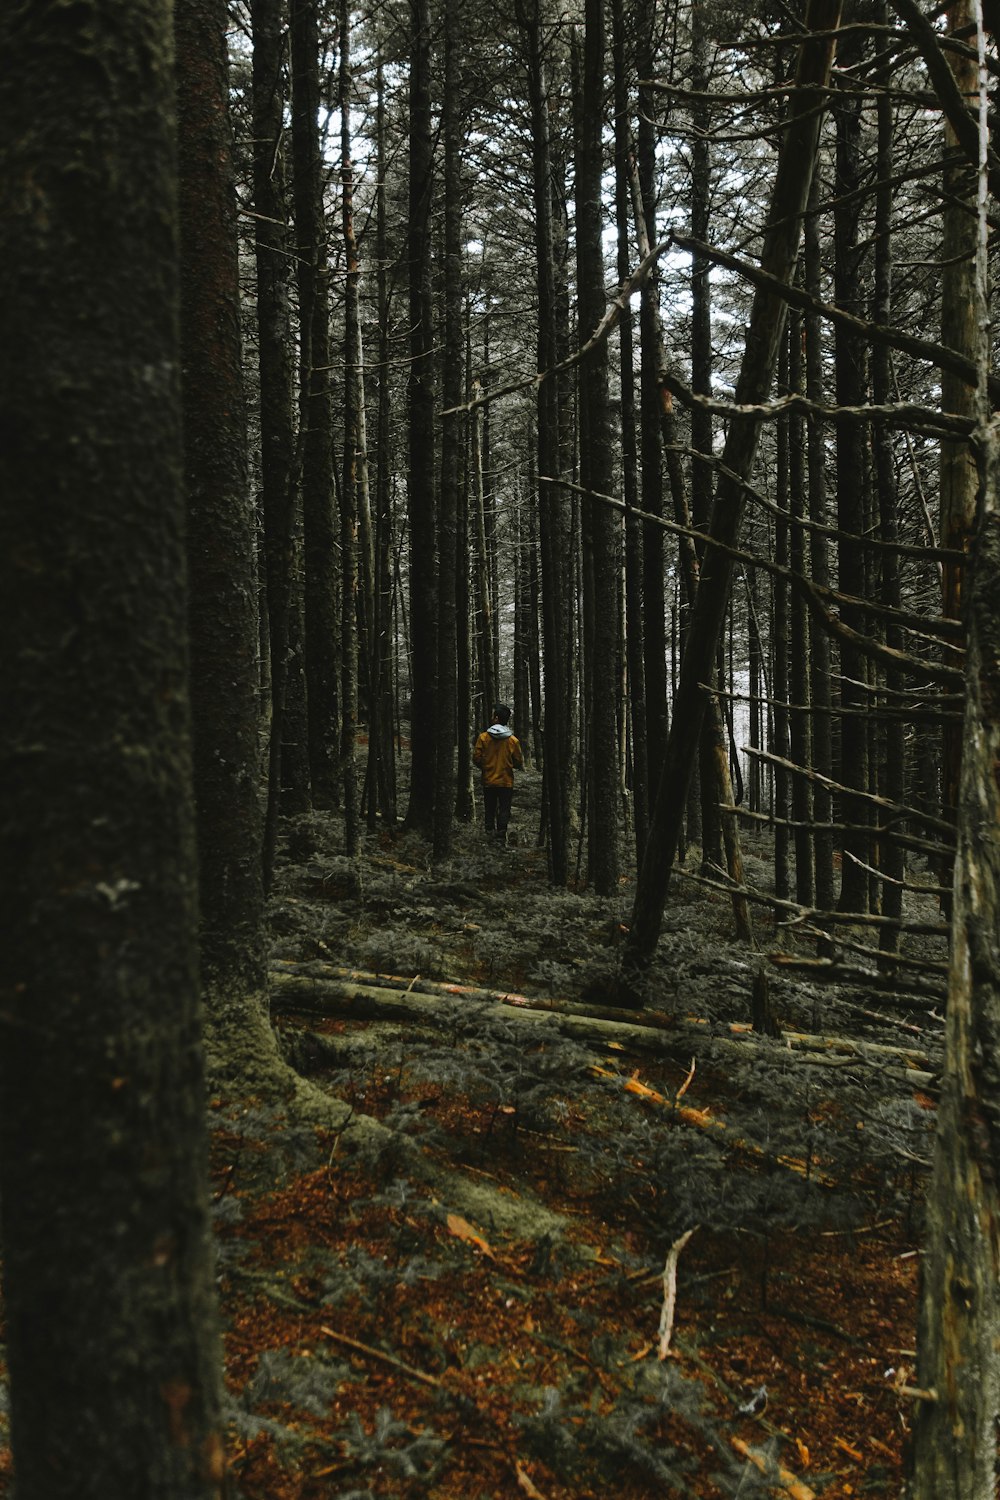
{"type": "Point", "coordinates": [496, 801]}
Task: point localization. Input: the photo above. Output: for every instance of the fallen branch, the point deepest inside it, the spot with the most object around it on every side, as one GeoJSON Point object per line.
{"type": "Point", "coordinates": [648, 1032]}
{"type": "Point", "coordinates": [380, 1355]}
{"type": "Point", "coordinates": [784, 1478]}
{"type": "Point", "coordinates": [670, 1292]}
{"type": "Point", "coordinates": [703, 1120]}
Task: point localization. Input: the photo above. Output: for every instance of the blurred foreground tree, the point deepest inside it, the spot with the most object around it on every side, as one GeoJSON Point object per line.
{"type": "Point", "coordinates": [113, 1355]}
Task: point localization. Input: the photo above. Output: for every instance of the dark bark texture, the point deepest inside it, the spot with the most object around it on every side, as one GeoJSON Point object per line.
{"type": "Point", "coordinates": [780, 248]}
{"type": "Point", "coordinates": [108, 1276]}
{"type": "Point", "coordinates": [954, 1449]}
{"type": "Point", "coordinates": [221, 528]}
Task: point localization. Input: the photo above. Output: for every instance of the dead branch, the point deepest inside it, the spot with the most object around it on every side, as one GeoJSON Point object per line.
{"type": "Point", "coordinates": [935, 354]}
{"type": "Point", "coordinates": [670, 1292]}
{"type": "Point", "coordinates": [940, 825]}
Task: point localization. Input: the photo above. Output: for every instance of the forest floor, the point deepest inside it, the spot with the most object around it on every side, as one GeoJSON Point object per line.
{"type": "Point", "coordinates": [470, 1303]}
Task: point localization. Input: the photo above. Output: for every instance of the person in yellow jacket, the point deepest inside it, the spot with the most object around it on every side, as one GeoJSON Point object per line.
{"type": "Point", "coordinates": [497, 752]}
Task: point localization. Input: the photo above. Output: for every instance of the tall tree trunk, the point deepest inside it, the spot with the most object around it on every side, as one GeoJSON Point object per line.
{"type": "Point", "coordinates": [955, 1427]}
{"type": "Point", "coordinates": [354, 454]}
{"type": "Point", "coordinates": [892, 729]}
{"type": "Point", "coordinates": [553, 527]}
{"type": "Point", "coordinates": [452, 442]}
{"type": "Point", "coordinates": [381, 758]}
{"type": "Point", "coordinates": [799, 686]}
{"type": "Point", "coordinates": [316, 413]}
{"type": "Point", "coordinates": [484, 595]}
{"type": "Point", "coordinates": [421, 500]}
{"type": "Point", "coordinates": [636, 696]}
{"type": "Point", "coordinates": [788, 203]}
{"type": "Point", "coordinates": [701, 383]}
{"type": "Point", "coordinates": [958, 331]}
{"type": "Point", "coordinates": [819, 563]}
{"type": "Point", "coordinates": [782, 650]}
{"type": "Point", "coordinates": [849, 375]}
{"type": "Point", "coordinates": [112, 1342]}
{"type": "Point", "coordinates": [652, 397]}
{"type": "Point", "coordinates": [221, 527]}
{"type": "Point", "coordinates": [274, 339]}
{"type": "Point", "coordinates": [600, 524]}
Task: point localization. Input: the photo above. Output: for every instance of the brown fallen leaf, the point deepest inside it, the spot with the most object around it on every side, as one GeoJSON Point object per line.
{"type": "Point", "coordinates": [463, 1230]}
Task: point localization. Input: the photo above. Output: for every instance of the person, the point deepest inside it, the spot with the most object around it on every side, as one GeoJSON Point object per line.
{"type": "Point", "coordinates": [497, 753]}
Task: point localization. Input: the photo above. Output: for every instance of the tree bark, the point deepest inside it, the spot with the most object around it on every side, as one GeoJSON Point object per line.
{"type": "Point", "coordinates": [552, 507]}
{"type": "Point", "coordinates": [601, 538]}
{"type": "Point", "coordinates": [767, 317]}
{"type": "Point", "coordinates": [954, 1434]}
{"type": "Point", "coordinates": [354, 456]}
{"type": "Point", "coordinates": [316, 411]}
{"type": "Point", "coordinates": [421, 498]}
{"type": "Point", "coordinates": [274, 339]}
{"type": "Point", "coordinates": [634, 628]}
{"type": "Point", "coordinates": [108, 1273]}
{"type": "Point", "coordinates": [221, 527]}
{"type": "Point", "coordinates": [849, 359]}
{"type": "Point", "coordinates": [452, 443]}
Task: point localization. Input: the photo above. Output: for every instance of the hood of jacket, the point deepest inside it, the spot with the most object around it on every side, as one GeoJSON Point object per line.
{"type": "Point", "coordinates": [500, 731]}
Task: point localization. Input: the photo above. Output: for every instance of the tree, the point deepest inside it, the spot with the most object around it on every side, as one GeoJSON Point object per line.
{"type": "Point", "coordinates": [780, 248]}
{"type": "Point", "coordinates": [113, 1354]}
{"type": "Point", "coordinates": [421, 498]}
{"type": "Point", "coordinates": [277, 457]}
{"type": "Point", "coordinates": [955, 1423]}
{"type": "Point", "coordinates": [315, 408]}
{"type": "Point", "coordinates": [602, 566]}
{"type": "Point", "coordinates": [221, 531]}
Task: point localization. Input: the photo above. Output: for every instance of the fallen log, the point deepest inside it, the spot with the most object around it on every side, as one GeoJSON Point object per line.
{"type": "Point", "coordinates": [375, 1000]}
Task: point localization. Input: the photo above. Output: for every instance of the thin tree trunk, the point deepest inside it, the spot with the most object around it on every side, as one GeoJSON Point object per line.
{"type": "Point", "coordinates": [484, 594]}
{"type": "Point", "coordinates": [800, 719]}
{"type": "Point", "coordinates": [274, 340]}
{"type": "Point", "coordinates": [850, 466]}
{"type": "Point", "coordinates": [452, 442]}
{"type": "Point", "coordinates": [634, 629]}
{"type": "Point", "coordinates": [788, 204]}
{"type": "Point", "coordinates": [819, 562]}
{"type": "Point", "coordinates": [892, 780]}
{"type": "Point", "coordinates": [354, 455]}
{"type": "Point", "coordinates": [601, 536]}
{"type": "Point", "coordinates": [420, 489]}
{"type": "Point", "coordinates": [381, 757]}
{"type": "Point", "coordinates": [316, 414]}
{"type": "Point", "coordinates": [553, 531]}
{"type": "Point", "coordinates": [650, 409]}
{"type": "Point", "coordinates": [958, 480]}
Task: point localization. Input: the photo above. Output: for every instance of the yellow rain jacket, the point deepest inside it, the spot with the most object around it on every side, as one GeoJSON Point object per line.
{"type": "Point", "coordinates": [497, 753]}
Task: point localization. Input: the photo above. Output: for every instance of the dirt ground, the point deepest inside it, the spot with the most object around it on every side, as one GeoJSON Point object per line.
{"type": "Point", "coordinates": [676, 1257]}
{"type": "Point", "coordinates": [475, 1308]}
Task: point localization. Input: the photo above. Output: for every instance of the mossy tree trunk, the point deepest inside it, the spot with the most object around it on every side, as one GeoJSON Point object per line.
{"type": "Point", "coordinates": [955, 1427]}
{"type": "Point", "coordinates": [112, 1346]}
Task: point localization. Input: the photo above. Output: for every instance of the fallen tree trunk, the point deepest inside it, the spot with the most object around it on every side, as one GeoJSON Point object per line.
{"type": "Point", "coordinates": [392, 997]}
